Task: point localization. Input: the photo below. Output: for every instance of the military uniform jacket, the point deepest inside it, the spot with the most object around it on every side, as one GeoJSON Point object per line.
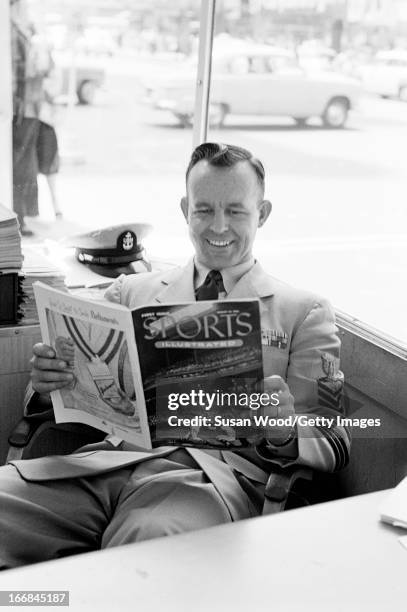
{"type": "Point", "coordinates": [300, 343]}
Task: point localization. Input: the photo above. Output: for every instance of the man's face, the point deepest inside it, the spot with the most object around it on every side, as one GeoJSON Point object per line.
{"type": "Point", "coordinates": [223, 208]}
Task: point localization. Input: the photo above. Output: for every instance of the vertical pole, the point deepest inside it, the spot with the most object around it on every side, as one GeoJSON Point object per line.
{"type": "Point", "coordinates": [6, 108]}
{"type": "Point", "coordinates": [202, 90]}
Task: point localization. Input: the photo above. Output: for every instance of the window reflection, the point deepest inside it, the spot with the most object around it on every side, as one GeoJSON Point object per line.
{"type": "Point", "coordinates": [121, 157]}
{"type": "Point", "coordinates": [124, 97]}
{"type": "Point", "coordinates": [336, 174]}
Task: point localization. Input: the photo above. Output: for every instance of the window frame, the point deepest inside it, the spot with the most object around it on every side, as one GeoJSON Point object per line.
{"type": "Point", "coordinates": [204, 71]}
{"type": "Point", "coordinates": [6, 108]}
{"type": "Point", "coordinates": [366, 352]}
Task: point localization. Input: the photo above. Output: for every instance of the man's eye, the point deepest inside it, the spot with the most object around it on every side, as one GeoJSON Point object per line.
{"type": "Point", "coordinates": [202, 211]}
{"type": "Point", "coordinates": [236, 212]}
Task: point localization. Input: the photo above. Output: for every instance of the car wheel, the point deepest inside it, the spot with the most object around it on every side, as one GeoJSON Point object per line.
{"type": "Point", "coordinates": [217, 114]}
{"type": "Point", "coordinates": [336, 113]}
{"type": "Point", "coordinates": [86, 92]}
{"type": "Point", "coordinates": [185, 120]}
{"type": "Point", "coordinates": [301, 121]}
{"type": "Point", "coordinates": [403, 93]}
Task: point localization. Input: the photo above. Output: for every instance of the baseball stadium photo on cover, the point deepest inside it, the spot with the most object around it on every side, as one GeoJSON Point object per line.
{"type": "Point", "coordinates": [187, 374]}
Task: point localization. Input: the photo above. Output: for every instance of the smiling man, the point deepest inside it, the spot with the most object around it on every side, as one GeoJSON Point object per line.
{"type": "Point", "coordinates": [121, 496]}
{"type": "Point", "coordinates": [224, 206]}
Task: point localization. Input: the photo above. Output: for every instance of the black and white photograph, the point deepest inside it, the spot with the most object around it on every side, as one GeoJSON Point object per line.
{"type": "Point", "coordinates": [158, 154]}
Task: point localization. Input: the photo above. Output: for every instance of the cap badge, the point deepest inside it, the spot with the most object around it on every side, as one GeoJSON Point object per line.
{"type": "Point", "coordinates": [128, 241]}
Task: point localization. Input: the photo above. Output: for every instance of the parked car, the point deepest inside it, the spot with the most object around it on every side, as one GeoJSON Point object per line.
{"type": "Point", "coordinates": [386, 74]}
{"type": "Point", "coordinates": [314, 55]}
{"type": "Point", "coordinates": [251, 79]}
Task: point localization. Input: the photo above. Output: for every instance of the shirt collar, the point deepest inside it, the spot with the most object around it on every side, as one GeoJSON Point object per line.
{"type": "Point", "coordinates": [230, 275]}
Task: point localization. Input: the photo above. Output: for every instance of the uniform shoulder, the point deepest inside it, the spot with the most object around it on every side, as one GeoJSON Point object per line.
{"type": "Point", "coordinates": [290, 292]}
{"type": "Point", "coordinates": [295, 299]}
{"type": "Point", "coordinates": [298, 309]}
{"type": "Point", "coordinates": [125, 287]}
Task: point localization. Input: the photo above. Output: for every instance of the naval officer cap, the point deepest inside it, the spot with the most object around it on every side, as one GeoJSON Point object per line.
{"type": "Point", "coordinates": [110, 247]}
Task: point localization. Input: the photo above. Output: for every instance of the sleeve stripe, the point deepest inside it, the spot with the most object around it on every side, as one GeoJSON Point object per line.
{"type": "Point", "coordinates": [340, 458]}
{"type": "Point", "coordinates": [334, 442]}
{"type": "Point", "coordinates": [342, 444]}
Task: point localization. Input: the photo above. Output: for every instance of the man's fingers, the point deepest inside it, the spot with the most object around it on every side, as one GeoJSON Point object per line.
{"type": "Point", "coordinates": [40, 363]}
{"type": "Point", "coordinates": [275, 384]}
{"type": "Point", "coordinates": [43, 350]}
{"type": "Point", "coordinates": [47, 387]}
{"type": "Point", "coordinates": [283, 398]}
{"type": "Point", "coordinates": [50, 376]}
{"type": "Point", "coordinates": [48, 372]}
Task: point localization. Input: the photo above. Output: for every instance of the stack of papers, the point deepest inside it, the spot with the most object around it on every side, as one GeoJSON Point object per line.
{"type": "Point", "coordinates": [11, 257]}
{"type": "Point", "coordinates": [37, 267]}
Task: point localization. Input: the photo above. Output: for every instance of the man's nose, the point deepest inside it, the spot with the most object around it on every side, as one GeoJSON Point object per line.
{"type": "Point", "coordinates": [219, 223]}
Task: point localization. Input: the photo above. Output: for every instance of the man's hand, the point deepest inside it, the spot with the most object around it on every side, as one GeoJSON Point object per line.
{"type": "Point", "coordinates": [48, 373]}
{"type": "Point", "coordinates": [285, 409]}
{"type": "Point", "coordinates": [65, 350]}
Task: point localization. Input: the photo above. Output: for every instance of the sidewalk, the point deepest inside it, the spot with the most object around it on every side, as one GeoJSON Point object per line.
{"type": "Point", "coordinates": [45, 229]}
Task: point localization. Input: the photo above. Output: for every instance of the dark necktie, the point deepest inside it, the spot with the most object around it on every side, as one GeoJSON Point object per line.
{"type": "Point", "coordinates": [212, 286]}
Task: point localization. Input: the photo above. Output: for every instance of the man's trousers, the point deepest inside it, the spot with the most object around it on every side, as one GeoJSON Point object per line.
{"type": "Point", "coordinates": [55, 518]}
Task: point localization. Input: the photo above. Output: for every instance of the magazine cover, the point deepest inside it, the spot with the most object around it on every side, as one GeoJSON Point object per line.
{"type": "Point", "coordinates": [176, 374]}
{"type": "Point", "coordinates": [200, 363]}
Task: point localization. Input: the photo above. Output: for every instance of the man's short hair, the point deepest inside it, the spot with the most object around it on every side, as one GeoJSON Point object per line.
{"type": "Point", "coordinates": [225, 156]}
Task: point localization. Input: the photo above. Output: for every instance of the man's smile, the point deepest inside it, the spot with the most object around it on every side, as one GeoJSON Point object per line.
{"type": "Point", "coordinates": [220, 244]}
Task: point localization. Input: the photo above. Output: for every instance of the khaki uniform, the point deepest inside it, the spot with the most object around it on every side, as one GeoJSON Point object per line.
{"type": "Point", "coordinates": [133, 495]}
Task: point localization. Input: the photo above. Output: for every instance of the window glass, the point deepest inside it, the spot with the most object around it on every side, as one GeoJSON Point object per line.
{"type": "Point", "coordinates": [281, 62]}
{"type": "Point", "coordinates": [5, 108]}
{"type": "Point", "coordinates": [336, 176]}
{"type": "Point", "coordinates": [239, 65]}
{"type": "Point", "coordinates": [123, 97]}
{"type": "Point", "coordinates": [258, 65]}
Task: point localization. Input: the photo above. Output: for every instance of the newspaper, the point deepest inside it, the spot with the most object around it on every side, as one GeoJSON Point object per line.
{"type": "Point", "coordinates": [158, 374]}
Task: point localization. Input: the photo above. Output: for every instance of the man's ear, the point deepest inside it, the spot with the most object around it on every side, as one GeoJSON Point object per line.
{"type": "Point", "coordinates": [184, 207]}
{"type": "Point", "coordinates": [264, 211]}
